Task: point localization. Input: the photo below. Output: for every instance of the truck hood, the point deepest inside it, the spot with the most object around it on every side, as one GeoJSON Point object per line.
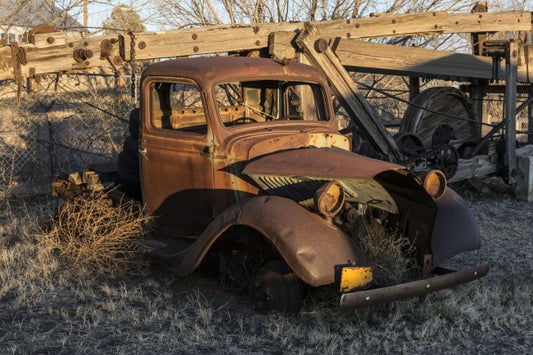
{"type": "Point", "coordinates": [257, 142]}
{"type": "Point", "coordinates": [298, 173]}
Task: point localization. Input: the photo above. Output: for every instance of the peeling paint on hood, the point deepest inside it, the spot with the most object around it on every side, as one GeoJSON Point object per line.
{"type": "Point", "coordinates": [298, 173]}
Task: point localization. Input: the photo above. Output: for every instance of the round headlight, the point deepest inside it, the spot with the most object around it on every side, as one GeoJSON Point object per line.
{"type": "Point", "coordinates": [435, 183]}
{"type": "Point", "coordinates": [329, 198]}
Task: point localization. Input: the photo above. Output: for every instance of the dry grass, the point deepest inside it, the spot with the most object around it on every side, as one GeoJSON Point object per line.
{"type": "Point", "coordinates": [390, 252]}
{"type": "Point", "coordinates": [44, 310]}
{"type": "Point", "coordinates": [91, 234]}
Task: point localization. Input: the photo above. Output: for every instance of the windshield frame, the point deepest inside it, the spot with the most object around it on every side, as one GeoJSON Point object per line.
{"type": "Point", "coordinates": [326, 104]}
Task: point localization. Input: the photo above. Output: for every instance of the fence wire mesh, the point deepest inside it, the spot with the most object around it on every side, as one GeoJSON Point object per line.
{"type": "Point", "coordinates": [17, 157]}
{"type": "Point", "coordinates": [64, 124]}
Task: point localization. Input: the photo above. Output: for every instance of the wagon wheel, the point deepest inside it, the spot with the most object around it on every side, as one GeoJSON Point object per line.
{"type": "Point", "coordinates": [435, 129]}
{"type": "Point", "coordinates": [275, 288]}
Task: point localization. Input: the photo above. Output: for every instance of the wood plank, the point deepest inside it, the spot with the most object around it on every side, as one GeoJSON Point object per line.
{"type": "Point", "coordinates": [60, 58]}
{"type": "Point", "coordinates": [321, 56]}
{"type": "Point", "coordinates": [48, 39]}
{"type": "Point", "coordinates": [489, 22]}
{"type": "Point", "coordinates": [281, 45]}
{"type": "Point", "coordinates": [385, 25]}
{"type": "Point", "coordinates": [217, 39]}
{"type": "Point", "coordinates": [480, 166]}
{"type": "Point", "coordinates": [402, 60]}
{"type": "Point", "coordinates": [425, 23]}
{"type": "Point", "coordinates": [212, 39]}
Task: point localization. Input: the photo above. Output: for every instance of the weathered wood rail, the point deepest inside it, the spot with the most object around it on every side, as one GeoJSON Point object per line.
{"type": "Point", "coordinates": [53, 52]}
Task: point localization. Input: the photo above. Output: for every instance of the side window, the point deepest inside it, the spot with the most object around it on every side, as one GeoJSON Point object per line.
{"type": "Point", "coordinates": [178, 106]}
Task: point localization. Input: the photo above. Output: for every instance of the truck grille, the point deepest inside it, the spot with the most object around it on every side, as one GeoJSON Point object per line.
{"type": "Point", "coordinates": [295, 188]}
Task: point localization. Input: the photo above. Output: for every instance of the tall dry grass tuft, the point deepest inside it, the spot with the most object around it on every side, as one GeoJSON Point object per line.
{"type": "Point", "coordinates": [93, 237]}
{"type": "Point", "coordinates": [390, 252]}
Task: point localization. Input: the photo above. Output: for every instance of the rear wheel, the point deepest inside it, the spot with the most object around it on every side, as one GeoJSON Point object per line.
{"type": "Point", "coordinates": [275, 288]}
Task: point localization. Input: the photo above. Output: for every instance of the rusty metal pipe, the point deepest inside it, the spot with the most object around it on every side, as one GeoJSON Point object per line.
{"type": "Point", "coordinates": [411, 289]}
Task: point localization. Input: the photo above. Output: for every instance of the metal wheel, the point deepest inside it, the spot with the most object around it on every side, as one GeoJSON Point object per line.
{"type": "Point", "coordinates": [276, 289]}
{"type": "Point", "coordinates": [408, 143]}
{"type": "Point", "coordinates": [446, 160]}
{"type": "Point", "coordinates": [433, 128]}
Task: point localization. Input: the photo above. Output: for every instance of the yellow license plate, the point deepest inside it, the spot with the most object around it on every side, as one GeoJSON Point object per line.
{"type": "Point", "coordinates": [349, 278]}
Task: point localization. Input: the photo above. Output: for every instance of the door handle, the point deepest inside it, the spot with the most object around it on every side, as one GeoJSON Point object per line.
{"type": "Point", "coordinates": [142, 152]}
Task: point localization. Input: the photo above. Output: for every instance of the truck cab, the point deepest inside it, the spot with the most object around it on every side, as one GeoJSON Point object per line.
{"type": "Point", "coordinates": [204, 118]}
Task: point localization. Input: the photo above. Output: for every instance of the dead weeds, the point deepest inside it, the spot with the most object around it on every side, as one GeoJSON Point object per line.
{"type": "Point", "coordinates": [92, 235]}
{"type": "Point", "coordinates": [391, 253]}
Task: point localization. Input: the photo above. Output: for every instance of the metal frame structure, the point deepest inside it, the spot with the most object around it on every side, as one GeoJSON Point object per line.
{"type": "Point", "coordinates": [337, 47]}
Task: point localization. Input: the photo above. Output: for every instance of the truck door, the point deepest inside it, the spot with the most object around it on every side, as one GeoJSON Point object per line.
{"type": "Point", "coordinates": [175, 156]}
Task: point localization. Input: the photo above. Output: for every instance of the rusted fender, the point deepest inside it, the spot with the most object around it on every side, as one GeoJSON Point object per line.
{"type": "Point", "coordinates": [310, 245]}
{"type": "Point", "coordinates": [455, 230]}
{"type": "Point", "coordinates": [443, 227]}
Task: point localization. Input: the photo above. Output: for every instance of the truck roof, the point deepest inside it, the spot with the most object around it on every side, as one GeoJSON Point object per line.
{"type": "Point", "coordinates": [220, 69]}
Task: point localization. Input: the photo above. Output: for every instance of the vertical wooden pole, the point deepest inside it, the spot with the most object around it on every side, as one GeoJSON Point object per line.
{"type": "Point", "coordinates": [478, 38]}
{"type": "Point", "coordinates": [476, 94]}
{"type": "Point", "coordinates": [85, 14]}
{"type": "Point", "coordinates": [530, 117]}
{"type": "Point", "coordinates": [511, 62]}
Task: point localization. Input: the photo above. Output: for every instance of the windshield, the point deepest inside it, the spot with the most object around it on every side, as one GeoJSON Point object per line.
{"type": "Point", "coordinates": [249, 102]}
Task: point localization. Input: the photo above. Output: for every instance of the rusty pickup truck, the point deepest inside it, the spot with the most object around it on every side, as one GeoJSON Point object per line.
{"type": "Point", "coordinates": [242, 156]}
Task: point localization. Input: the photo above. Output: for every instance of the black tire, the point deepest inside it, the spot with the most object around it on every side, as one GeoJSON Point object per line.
{"type": "Point", "coordinates": [276, 289]}
{"type": "Point", "coordinates": [130, 152]}
{"type": "Point", "coordinates": [134, 122]}
{"type": "Point", "coordinates": [128, 168]}
{"type": "Point", "coordinates": [129, 180]}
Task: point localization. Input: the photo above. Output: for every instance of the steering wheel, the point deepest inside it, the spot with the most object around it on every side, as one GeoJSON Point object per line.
{"type": "Point", "coordinates": [242, 120]}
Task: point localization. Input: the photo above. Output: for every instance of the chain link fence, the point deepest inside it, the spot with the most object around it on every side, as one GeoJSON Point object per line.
{"type": "Point", "coordinates": [63, 125]}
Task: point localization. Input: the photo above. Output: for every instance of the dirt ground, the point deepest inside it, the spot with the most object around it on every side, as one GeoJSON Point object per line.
{"type": "Point", "coordinates": [46, 309]}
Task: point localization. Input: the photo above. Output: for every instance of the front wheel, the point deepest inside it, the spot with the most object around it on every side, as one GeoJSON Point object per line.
{"type": "Point", "coordinates": [275, 288]}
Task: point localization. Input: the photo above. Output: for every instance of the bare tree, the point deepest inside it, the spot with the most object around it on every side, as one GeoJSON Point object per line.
{"type": "Point", "coordinates": [59, 13]}
{"type": "Point", "coordinates": [205, 12]}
